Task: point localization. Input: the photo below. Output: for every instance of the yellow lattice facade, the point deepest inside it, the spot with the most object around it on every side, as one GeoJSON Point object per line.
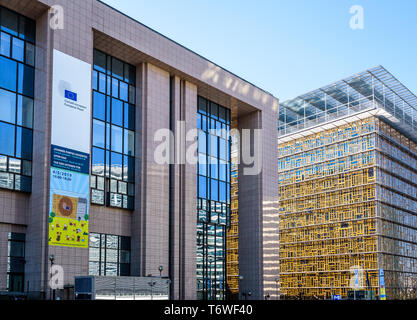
{"type": "Point", "coordinates": [330, 200]}
{"type": "Point", "coordinates": [232, 233]}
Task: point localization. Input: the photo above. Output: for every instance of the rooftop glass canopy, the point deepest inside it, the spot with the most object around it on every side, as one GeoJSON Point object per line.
{"type": "Point", "coordinates": [371, 92]}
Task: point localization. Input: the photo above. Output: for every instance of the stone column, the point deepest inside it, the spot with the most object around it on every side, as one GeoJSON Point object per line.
{"type": "Point", "coordinates": [250, 218]}
{"type": "Point", "coordinates": [258, 209]}
{"type": "Point", "coordinates": [36, 252]}
{"type": "Point", "coordinates": [183, 193]}
{"type": "Point", "coordinates": [153, 244]}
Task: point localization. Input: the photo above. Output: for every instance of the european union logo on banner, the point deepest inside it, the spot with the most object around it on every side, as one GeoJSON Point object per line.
{"type": "Point", "coordinates": [70, 95]}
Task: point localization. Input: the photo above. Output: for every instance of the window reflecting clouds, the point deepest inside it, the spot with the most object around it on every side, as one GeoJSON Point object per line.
{"type": "Point", "coordinates": [113, 148]}
{"type": "Point", "coordinates": [17, 60]}
{"type": "Point", "coordinates": [213, 204]}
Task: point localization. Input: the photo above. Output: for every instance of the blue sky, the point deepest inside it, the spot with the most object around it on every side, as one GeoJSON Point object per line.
{"type": "Point", "coordinates": [289, 47]}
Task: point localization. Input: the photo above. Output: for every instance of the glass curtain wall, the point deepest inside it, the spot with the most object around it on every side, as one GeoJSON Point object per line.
{"type": "Point", "coordinates": [109, 255]}
{"type": "Point", "coordinates": [213, 201]}
{"type": "Point", "coordinates": [17, 72]}
{"type": "Point", "coordinates": [113, 142]}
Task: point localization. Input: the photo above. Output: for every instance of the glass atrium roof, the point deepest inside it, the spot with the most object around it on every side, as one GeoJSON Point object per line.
{"type": "Point", "coordinates": [371, 92]}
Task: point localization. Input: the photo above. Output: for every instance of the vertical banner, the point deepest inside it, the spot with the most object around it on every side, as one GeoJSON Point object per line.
{"type": "Point", "coordinates": [382, 294]}
{"type": "Point", "coordinates": [356, 279]}
{"type": "Point", "coordinates": [70, 152]}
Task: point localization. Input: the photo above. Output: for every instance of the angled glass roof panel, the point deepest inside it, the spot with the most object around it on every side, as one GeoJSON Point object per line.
{"type": "Point", "coordinates": [370, 89]}
{"type": "Point", "coordinates": [338, 92]}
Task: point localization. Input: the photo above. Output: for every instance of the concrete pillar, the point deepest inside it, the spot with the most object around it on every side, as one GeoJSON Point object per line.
{"type": "Point", "coordinates": [183, 216]}
{"type": "Point", "coordinates": [258, 209]}
{"type": "Point", "coordinates": [37, 218]}
{"type": "Point", "coordinates": [250, 220]}
{"type": "Point", "coordinates": [154, 222]}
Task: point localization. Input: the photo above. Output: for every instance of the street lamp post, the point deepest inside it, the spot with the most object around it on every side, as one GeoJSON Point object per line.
{"type": "Point", "coordinates": [52, 259]}
{"type": "Point", "coordinates": [160, 271]}
{"type": "Point", "coordinates": [249, 294]}
{"type": "Point", "coordinates": [276, 282]}
{"type": "Point", "coordinates": [240, 286]}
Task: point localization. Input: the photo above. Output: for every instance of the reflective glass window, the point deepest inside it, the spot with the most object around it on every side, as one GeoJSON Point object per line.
{"type": "Point", "coordinates": [98, 133]}
{"type": "Point", "coordinates": [15, 262]}
{"type": "Point", "coordinates": [117, 68]}
{"type": "Point", "coordinates": [124, 91]}
{"type": "Point", "coordinates": [116, 139]}
{"type": "Point", "coordinates": [7, 106]}
{"type": "Point", "coordinates": [8, 74]}
{"type": "Point", "coordinates": [24, 143]}
{"type": "Point", "coordinates": [99, 106]}
{"type": "Point", "coordinates": [24, 111]}
{"type": "Point", "coordinates": [9, 21]}
{"type": "Point", "coordinates": [7, 142]}
{"type": "Point", "coordinates": [27, 29]}
{"type": "Point", "coordinates": [129, 116]}
{"type": "Point", "coordinates": [17, 58]}
{"type": "Point", "coordinates": [99, 61]}
{"type": "Point", "coordinates": [213, 195]}
{"type": "Point", "coordinates": [202, 187]}
{"type": "Point", "coordinates": [97, 161]}
{"type": "Point", "coordinates": [109, 255]}
{"type": "Point", "coordinates": [129, 142]}
{"type": "Point", "coordinates": [18, 49]}
{"type": "Point", "coordinates": [26, 78]}
{"type": "Point", "coordinates": [110, 104]}
{"type": "Point", "coordinates": [5, 44]}
{"type": "Point", "coordinates": [116, 165]}
{"type": "Point", "coordinates": [30, 54]}
{"type": "Point", "coordinates": [117, 112]}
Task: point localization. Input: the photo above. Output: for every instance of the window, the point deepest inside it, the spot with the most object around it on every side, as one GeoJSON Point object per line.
{"type": "Point", "coordinates": [16, 262]}
{"type": "Point", "coordinates": [213, 203]}
{"type": "Point", "coordinates": [8, 74]}
{"type": "Point", "coordinates": [109, 255]}
{"type": "Point", "coordinates": [17, 59]}
{"type": "Point", "coordinates": [113, 150]}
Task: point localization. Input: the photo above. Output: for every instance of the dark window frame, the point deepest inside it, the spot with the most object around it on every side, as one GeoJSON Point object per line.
{"type": "Point", "coordinates": [103, 253]}
{"type": "Point", "coordinates": [20, 238]}
{"type": "Point", "coordinates": [126, 184]}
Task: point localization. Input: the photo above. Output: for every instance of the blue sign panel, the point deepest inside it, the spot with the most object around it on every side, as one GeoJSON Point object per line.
{"type": "Point", "coordinates": [69, 159]}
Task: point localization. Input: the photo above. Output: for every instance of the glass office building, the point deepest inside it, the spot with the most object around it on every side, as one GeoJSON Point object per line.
{"type": "Point", "coordinates": [347, 192]}
{"type": "Point", "coordinates": [213, 203]}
